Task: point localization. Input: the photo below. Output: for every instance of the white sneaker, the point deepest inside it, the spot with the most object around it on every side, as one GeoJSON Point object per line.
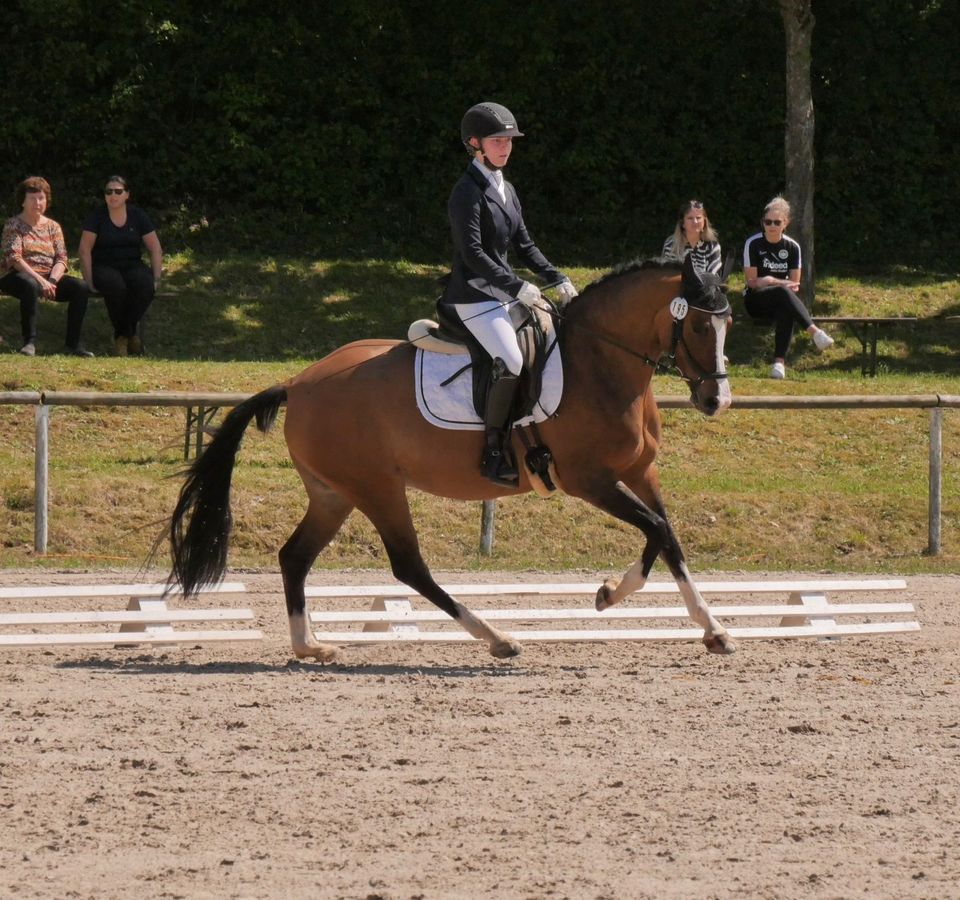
{"type": "Point", "coordinates": [778, 370]}
{"type": "Point", "coordinates": [821, 339]}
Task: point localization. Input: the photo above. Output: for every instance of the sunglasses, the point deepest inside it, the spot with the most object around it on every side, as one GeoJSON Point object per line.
{"type": "Point", "coordinates": [695, 204]}
{"type": "Point", "coordinates": [109, 191]}
{"type": "Point", "coordinates": [777, 222]}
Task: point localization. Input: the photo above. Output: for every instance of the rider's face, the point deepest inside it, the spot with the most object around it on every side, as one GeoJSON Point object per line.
{"type": "Point", "coordinates": [497, 149]}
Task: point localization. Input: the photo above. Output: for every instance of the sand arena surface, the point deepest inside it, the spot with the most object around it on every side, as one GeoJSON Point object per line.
{"type": "Point", "coordinates": [792, 769]}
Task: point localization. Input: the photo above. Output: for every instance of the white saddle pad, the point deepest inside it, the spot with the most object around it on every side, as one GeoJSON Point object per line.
{"type": "Point", "coordinates": [452, 406]}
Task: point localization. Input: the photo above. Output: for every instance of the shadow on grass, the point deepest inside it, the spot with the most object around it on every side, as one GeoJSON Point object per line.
{"type": "Point", "coordinates": [262, 308]}
{"type": "Point", "coordinates": [256, 309]}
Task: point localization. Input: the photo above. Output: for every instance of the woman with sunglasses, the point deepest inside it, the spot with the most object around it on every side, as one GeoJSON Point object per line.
{"type": "Point", "coordinates": [771, 272]}
{"type": "Point", "coordinates": [694, 235]}
{"type": "Point", "coordinates": [110, 258]}
{"type": "Point", "coordinates": [33, 266]}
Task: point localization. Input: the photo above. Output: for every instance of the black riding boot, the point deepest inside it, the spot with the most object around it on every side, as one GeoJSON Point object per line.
{"type": "Point", "coordinates": [498, 464]}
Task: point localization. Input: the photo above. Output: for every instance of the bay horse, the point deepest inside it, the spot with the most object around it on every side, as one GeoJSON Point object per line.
{"type": "Point", "coordinates": [358, 441]}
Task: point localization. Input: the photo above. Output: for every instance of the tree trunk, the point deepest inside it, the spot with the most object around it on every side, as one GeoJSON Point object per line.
{"type": "Point", "coordinates": [798, 25]}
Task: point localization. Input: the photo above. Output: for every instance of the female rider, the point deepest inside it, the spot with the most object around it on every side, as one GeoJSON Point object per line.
{"type": "Point", "coordinates": [482, 290]}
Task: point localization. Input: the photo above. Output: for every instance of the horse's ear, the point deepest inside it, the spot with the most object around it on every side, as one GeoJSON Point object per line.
{"type": "Point", "coordinates": [691, 277]}
{"type": "Point", "coordinates": [727, 267]}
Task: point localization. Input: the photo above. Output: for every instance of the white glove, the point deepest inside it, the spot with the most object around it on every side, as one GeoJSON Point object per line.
{"type": "Point", "coordinates": [567, 291]}
{"type": "Point", "coordinates": [529, 295]}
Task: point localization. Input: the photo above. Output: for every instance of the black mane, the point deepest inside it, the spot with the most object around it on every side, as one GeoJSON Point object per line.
{"type": "Point", "coordinates": [636, 265]}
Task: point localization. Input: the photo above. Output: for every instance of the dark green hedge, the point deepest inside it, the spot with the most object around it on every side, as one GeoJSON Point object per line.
{"type": "Point", "coordinates": [332, 127]}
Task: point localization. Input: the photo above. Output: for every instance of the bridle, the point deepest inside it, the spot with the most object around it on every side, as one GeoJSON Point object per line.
{"type": "Point", "coordinates": [679, 307]}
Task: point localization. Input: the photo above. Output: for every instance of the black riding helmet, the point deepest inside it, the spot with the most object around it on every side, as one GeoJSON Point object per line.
{"type": "Point", "coordinates": [488, 120]}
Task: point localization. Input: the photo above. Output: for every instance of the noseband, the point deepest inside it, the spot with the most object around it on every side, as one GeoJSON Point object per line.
{"type": "Point", "coordinates": [679, 307]}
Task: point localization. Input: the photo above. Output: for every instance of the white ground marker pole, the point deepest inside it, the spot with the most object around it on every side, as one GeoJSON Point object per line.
{"type": "Point", "coordinates": [41, 469]}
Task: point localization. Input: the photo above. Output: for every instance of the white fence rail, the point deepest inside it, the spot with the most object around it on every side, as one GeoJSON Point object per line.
{"type": "Point", "coordinates": [205, 402]}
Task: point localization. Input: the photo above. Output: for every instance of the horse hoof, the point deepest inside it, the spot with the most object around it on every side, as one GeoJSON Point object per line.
{"type": "Point", "coordinates": [603, 596]}
{"type": "Point", "coordinates": [720, 643]}
{"type": "Point", "coordinates": [505, 649]}
{"type": "Point", "coordinates": [324, 653]}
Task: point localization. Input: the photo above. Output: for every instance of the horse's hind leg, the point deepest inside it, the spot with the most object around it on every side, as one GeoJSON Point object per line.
{"type": "Point", "coordinates": [325, 515]}
{"type": "Point", "coordinates": [625, 505]}
{"type": "Point", "coordinates": [390, 514]}
{"type": "Point", "coordinates": [613, 592]}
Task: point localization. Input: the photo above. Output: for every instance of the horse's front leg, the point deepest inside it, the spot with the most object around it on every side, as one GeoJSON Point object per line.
{"type": "Point", "coordinates": [624, 504]}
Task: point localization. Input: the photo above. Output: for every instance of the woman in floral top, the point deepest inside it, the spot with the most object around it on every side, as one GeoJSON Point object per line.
{"type": "Point", "coordinates": [33, 265]}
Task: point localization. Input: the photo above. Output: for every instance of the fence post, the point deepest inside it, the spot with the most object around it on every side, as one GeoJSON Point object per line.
{"type": "Point", "coordinates": [41, 470]}
{"type": "Point", "coordinates": [487, 514]}
{"type": "Point", "coordinates": [936, 458]}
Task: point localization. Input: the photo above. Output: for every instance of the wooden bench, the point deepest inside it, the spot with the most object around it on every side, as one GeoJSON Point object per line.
{"type": "Point", "coordinates": [806, 612]}
{"type": "Point", "coordinates": [147, 619]}
{"type": "Point", "coordinates": [866, 330]}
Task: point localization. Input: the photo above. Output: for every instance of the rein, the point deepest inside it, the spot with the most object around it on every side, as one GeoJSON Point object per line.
{"type": "Point", "coordinates": [703, 375]}
{"type": "Point", "coordinates": [677, 340]}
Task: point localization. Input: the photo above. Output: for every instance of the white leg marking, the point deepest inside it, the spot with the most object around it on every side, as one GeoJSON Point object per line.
{"type": "Point", "coordinates": [303, 642]}
{"type": "Point", "coordinates": [720, 326]}
{"type": "Point", "coordinates": [632, 581]}
{"type": "Point", "coordinates": [696, 606]}
{"type": "Point", "coordinates": [500, 644]}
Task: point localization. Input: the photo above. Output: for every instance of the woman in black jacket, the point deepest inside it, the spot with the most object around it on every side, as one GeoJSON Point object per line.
{"type": "Point", "coordinates": [483, 291]}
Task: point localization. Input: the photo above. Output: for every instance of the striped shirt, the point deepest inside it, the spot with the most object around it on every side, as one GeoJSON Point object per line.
{"type": "Point", "coordinates": [706, 255]}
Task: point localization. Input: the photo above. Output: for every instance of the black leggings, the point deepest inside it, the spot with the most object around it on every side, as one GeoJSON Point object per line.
{"type": "Point", "coordinates": [26, 289]}
{"type": "Point", "coordinates": [784, 307]}
{"type": "Point", "coordinates": [127, 293]}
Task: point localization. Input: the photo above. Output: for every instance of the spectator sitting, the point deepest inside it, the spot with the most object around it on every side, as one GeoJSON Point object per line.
{"type": "Point", "coordinates": [33, 264]}
{"type": "Point", "coordinates": [771, 272]}
{"type": "Point", "coordinates": [110, 257]}
{"type": "Point", "coordinates": [694, 235]}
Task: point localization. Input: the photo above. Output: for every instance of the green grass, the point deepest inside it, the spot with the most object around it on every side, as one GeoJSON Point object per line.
{"type": "Point", "coordinates": [755, 489]}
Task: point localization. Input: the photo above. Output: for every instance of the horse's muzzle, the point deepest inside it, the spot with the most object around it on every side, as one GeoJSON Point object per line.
{"type": "Point", "coordinates": [711, 396]}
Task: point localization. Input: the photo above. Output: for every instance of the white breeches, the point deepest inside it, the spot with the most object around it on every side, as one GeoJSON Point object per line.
{"type": "Point", "coordinates": [491, 323]}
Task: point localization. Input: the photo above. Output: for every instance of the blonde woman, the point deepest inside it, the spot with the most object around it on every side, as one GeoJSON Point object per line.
{"type": "Point", "coordinates": [771, 272]}
{"type": "Point", "coordinates": [694, 235]}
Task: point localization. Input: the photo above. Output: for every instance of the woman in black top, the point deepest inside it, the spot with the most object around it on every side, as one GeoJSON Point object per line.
{"type": "Point", "coordinates": [771, 272]}
{"type": "Point", "coordinates": [110, 258]}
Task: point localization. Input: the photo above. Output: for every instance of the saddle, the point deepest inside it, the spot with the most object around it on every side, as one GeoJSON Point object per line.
{"type": "Point", "coordinates": [535, 335]}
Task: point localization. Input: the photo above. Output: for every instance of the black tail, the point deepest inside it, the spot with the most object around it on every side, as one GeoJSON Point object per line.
{"type": "Point", "coordinates": [201, 523]}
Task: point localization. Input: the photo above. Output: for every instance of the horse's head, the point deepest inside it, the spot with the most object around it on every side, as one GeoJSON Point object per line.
{"type": "Point", "coordinates": [700, 317]}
